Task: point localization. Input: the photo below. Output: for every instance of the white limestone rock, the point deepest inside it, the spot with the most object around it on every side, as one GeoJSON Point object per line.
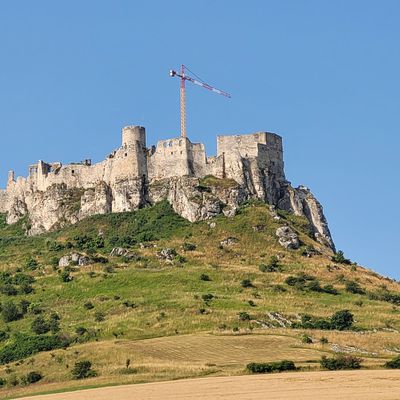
{"type": "Point", "coordinates": [288, 238]}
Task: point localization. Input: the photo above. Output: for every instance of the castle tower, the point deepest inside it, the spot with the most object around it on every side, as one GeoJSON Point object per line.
{"type": "Point", "coordinates": [133, 134]}
{"type": "Point", "coordinates": [11, 177]}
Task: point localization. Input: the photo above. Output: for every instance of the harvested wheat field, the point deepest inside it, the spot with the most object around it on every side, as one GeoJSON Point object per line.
{"type": "Point", "coordinates": [363, 385]}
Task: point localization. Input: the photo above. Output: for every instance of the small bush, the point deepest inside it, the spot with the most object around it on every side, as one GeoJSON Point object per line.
{"type": "Point", "coordinates": [99, 316]}
{"type": "Point", "coordinates": [80, 330]}
{"type": "Point", "coordinates": [324, 340]}
{"type": "Point", "coordinates": [88, 305]}
{"type": "Point", "coordinates": [306, 339]}
{"type": "Point", "coordinates": [272, 266]}
{"type": "Point", "coordinates": [189, 246]}
{"type": "Point", "coordinates": [246, 283]}
{"type": "Point", "coordinates": [340, 258]}
{"type": "Point", "coordinates": [4, 336]}
{"type": "Point", "coordinates": [393, 364]}
{"type": "Point", "coordinates": [340, 362]}
{"type": "Point", "coordinates": [40, 326]}
{"type": "Point", "coordinates": [8, 290]}
{"type": "Point", "coordinates": [342, 320]}
{"type": "Point", "coordinates": [10, 311]}
{"type": "Point", "coordinates": [354, 287]}
{"type": "Point", "coordinates": [262, 368]}
{"type": "Point", "coordinates": [207, 297]}
{"type": "Point", "coordinates": [205, 277]}
{"type": "Point", "coordinates": [2, 382]}
{"type": "Point", "coordinates": [31, 264]}
{"type": "Point", "coordinates": [330, 290]}
{"type": "Point", "coordinates": [83, 370]}
{"type": "Point", "coordinates": [129, 304]}
{"type": "Point", "coordinates": [244, 316]}
{"type": "Point", "coordinates": [33, 377]}
{"type": "Point", "coordinates": [65, 277]}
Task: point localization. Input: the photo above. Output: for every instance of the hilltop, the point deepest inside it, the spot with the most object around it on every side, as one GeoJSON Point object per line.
{"type": "Point", "coordinates": [182, 299]}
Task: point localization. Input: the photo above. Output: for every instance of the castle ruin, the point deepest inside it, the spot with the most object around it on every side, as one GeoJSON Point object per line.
{"type": "Point", "coordinates": [134, 176]}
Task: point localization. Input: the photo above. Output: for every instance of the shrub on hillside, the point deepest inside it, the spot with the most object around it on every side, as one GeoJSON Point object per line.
{"type": "Point", "coordinates": [207, 297]}
{"type": "Point", "coordinates": [244, 316]}
{"type": "Point", "coordinates": [65, 276]}
{"type": "Point", "coordinates": [262, 368]}
{"type": "Point", "coordinates": [340, 362]}
{"type": "Point", "coordinates": [4, 336]}
{"type": "Point", "coordinates": [40, 326]}
{"type": "Point", "coordinates": [82, 370]}
{"type": "Point", "coordinates": [8, 290]}
{"type": "Point", "coordinates": [342, 320]}
{"type": "Point", "coordinates": [10, 311]}
{"type": "Point", "coordinates": [354, 287]}
{"type": "Point", "coordinates": [271, 266]}
{"type": "Point", "coordinates": [393, 364]}
{"type": "Point", "coordinates": [32, 377]}
{"type": "Point", "coordinates": [32, 264]}
{"type": "Point", "coordinates": [340, 258]}
{"type": "Point", "coordinates": [189, 246]}
{"type": "Point", "coordinates": [24, 346]}
{"type": "Point", "coordinates": [99, 316]}
{"type": "Point", "coordinates": [205, 278]}
{"type": "Point", "coordinates": [246, 283]}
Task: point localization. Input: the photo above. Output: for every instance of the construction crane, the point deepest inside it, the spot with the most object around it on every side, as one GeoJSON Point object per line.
{"type": "Point", "coordinates": [185, 78]}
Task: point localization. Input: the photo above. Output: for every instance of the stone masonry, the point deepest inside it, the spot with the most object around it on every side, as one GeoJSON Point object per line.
{"type": "Point", "coordinates": [134, 176]}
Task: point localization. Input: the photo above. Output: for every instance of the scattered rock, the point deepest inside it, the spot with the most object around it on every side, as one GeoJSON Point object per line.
{"type": "Point", "coordinates": [122, 252]}
{"type": "Point", "coordinates": [273, 213]}
{"type": "Point", "coordinates": [351, 349]}
{"type": "Point", "coordinates": [229, 241]}
{"type": "Point", "coordinates": [288, 238]}
{"type": "Point", "coordinates": [167, 254]}
{"type": "Point", "coordinates": [74, 259]}
{"type": "Point", "coordinates": [212, 225]}
{"type": "Point", "coordinates": [258, 228]}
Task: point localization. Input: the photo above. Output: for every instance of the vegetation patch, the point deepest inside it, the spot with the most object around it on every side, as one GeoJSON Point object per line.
{"type": "Point", "coordinates": [213, 181]}
{"type": "Point", "coordinates": [340, 362]}
{"type": "Point", "coordinates": [267, 368]}
{"type": "Point", "coordinates": [24, 346]}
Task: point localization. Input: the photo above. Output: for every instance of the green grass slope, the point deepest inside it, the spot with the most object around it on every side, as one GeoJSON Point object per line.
{"type": "Point", "coordinates": [207, 287]}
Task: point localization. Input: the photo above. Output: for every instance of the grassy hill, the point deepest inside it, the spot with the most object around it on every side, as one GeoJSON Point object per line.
{"type": "Point", "coordinates": [211, 307]}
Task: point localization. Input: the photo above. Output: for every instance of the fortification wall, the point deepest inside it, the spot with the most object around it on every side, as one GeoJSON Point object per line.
{"type": "Point", "coordinates": [169, 158]}
{"type": "Point", "coordinates": [3, 201]}
{"type": "Point", "coordinates": [264, 147]}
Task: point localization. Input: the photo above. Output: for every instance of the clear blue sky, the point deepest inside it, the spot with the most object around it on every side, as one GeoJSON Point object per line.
{"type": "Point", "coordinates": [323, 74]}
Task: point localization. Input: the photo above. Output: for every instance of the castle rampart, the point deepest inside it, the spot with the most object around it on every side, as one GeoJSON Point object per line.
{"type": "Point", "coordinates": [170, 158]}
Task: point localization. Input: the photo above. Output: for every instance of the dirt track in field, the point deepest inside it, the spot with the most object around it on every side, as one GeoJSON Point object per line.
{"type": "Point", "coordinates": [354, 385]}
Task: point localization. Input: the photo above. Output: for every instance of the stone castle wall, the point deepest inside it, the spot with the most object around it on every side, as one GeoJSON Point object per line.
{"type": "Point", "coordinates": [133, 176]}
{"type": "Point", "coordinates": [170, 158]}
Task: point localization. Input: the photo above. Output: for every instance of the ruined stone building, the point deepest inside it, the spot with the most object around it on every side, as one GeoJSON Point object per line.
{"type": "Point", "coordinates": [135, 175]}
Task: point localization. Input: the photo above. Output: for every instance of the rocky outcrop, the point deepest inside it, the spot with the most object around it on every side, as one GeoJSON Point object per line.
{"type": "Point", "coordinates": [302, 202]}
{"type": "Point", "coordinates": [196, 201]}
{"type": "Point", "coordinates": [193, 198]}
{"type": "Point", "coordinates": [74, 259]}
{"type": "Point", "coordinates": [288, 238]}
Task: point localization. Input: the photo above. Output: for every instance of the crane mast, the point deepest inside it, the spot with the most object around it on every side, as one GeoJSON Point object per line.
{"type": "Point", "coordinates": [183, 78]}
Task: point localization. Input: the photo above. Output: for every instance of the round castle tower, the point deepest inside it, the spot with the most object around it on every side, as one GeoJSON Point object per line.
{"type": "Point", "coordinates": [133, 134]}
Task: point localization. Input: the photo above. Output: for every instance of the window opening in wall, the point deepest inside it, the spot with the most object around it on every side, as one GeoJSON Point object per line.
{"type": "Point", "coordinates": [73, 171]}
{"type": "Point", "coordinates": [172, 152]}
{"type": "Point", "coordinates": [126, 154]}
